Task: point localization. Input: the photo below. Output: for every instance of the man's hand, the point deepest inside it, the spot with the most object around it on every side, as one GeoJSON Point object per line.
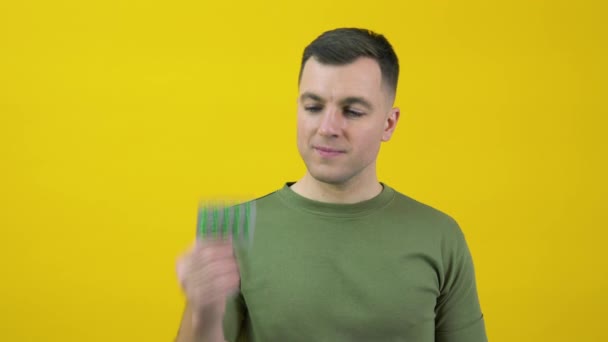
{"type": "Point", "coordinates": [208, 273]}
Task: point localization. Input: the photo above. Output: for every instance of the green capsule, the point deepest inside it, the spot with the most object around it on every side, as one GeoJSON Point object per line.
{"type": "Point", "coordinates": [203, 223]}
{"type": "Point", "coordinates": [235, 226]}
{"type": "Point", "coordinates": [226, 217]}
{"type": "Point", "coordinates": [214, 229]}
{"type": "Point", "coordinates": [247, 218]}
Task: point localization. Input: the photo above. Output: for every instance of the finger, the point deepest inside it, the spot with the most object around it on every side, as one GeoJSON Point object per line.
{"type": "Point", "coordinates": [212, 271]}
{"type": "Point", "coordinates": [214, 252]}
{"type": "Point", "coordinates": [212, 241]}
{"type": "Point", "coordinates": [216, 264]}
{"type": "Point", "coordinates": [212, 267]}
{"type": "Point", "coordinates": [209, 293]}
{"type": "Point", "coordinates": [210, 278]}
{"type": "Point", "coordinates": [225, 285]}
{"type": "Point", "coordinates": [215, 243]}
{"type": "Point", "coordinates": [230, 283]}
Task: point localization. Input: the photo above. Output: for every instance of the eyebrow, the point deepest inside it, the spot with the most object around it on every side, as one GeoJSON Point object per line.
{"type": "Point", "coordinates": [311, 96]}
{"type": "Point", "coordinates": [344, 102]}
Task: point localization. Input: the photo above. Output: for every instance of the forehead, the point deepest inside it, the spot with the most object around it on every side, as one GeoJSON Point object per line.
{"type": "Point", "coordinates": [361, 78]}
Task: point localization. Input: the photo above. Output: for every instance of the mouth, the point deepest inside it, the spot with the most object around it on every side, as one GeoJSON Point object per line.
{"type": "Point", "coordinates": [328, 151]}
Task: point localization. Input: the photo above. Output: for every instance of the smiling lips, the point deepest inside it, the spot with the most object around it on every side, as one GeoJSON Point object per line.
{"type": "Point", "coordinates": [327, 151]}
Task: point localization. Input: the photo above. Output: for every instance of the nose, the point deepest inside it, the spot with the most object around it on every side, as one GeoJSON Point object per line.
{"type": "Point", "coordinates": [331, 123]}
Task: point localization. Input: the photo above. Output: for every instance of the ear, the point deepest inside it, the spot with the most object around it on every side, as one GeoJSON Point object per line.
{"type": "Point", "coordinates": [390, 124]}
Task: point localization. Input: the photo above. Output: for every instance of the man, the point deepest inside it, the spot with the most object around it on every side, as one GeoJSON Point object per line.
{"type": "Point", "coordinates": [337, 255]}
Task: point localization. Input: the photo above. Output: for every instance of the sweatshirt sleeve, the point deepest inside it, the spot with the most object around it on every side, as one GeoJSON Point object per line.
{"type": "Point", "coordinates": [458, 315]}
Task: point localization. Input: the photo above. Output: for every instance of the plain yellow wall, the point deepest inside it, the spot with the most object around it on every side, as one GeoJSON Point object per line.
{"type": "Point", "coordinates": [116, 117]}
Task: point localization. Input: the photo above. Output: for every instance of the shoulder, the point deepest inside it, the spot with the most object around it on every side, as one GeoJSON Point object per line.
{"type": "Point", "coordinates": [432, 218]}
{"type": "Point", "coordinates": [436, 225]}
{"type": "Point", "coordinates": [266, 198]}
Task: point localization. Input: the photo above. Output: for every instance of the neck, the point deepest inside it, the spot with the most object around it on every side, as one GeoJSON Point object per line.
{"type": "Point", "coordinates": [352, 191]}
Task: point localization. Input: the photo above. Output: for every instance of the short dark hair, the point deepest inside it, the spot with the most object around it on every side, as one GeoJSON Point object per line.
{"type": "Point", "coordinates": [345, 45]}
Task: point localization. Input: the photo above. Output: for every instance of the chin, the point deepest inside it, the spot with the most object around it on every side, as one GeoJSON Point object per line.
{"type": "Point", "coordinates": [334, 178]}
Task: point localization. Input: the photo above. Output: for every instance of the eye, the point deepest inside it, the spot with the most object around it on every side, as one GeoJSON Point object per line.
{"type": "Point", "coordinates": [313, 108]}
{"type": "Point", "coordinates": [353, 113]}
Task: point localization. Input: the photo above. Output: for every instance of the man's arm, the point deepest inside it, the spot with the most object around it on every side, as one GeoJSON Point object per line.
{"type": "Point", "coordinates": [459, 317]}
{"type": "Point", "coordinates": [195, 329]}
{"type": "Point", "coordinates": [208, 274]}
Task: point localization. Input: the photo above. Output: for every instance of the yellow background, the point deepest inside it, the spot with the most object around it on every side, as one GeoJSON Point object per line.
{"type": "Point", "coordinates": [116, 117]}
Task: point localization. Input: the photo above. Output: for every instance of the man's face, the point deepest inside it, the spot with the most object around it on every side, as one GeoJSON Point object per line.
{"type": "Point", "coordinates": [344, 114]}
